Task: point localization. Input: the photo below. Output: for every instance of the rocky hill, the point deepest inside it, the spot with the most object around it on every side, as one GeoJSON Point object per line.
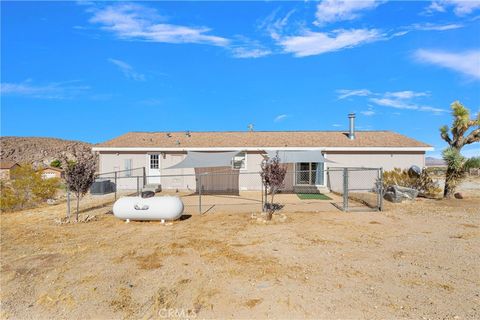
{"type": "Point", "coordinates": [38, 151]}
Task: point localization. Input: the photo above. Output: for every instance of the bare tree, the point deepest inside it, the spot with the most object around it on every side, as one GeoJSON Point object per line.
{"type": "Point", "coordinates": [458, 138]}
{"type": "Point", "coordinates": [273, 176]}
{"type": "Point", "coordinates": [80, 174]}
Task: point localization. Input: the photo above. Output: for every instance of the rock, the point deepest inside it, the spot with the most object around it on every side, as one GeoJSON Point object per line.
{"type": "Point", "coordinates": [458, 195]}
{"type": "Point", "coordinates": [414, 171]}
{"type": "Point", "coordinates": [398, 194]}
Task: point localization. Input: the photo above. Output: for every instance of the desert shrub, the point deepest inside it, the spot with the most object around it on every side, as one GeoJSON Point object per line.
{"type": "Point", "coordinates": [56, 163]}
{"type": "Point", "coordinates": [472, 163]}
{"type": "Point", "coordinates": [27, 189]}
{"type": "Point", "coordinates": [423, 183]}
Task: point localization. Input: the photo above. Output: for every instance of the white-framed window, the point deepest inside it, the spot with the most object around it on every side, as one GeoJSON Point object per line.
{"type": "Point", "coordinates": [154, 161]}
{"type": "Point", "coordinates": [239, 162]}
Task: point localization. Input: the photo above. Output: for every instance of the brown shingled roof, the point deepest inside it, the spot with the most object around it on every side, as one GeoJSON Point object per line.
{"type": "Point", "coordinates": [262, 139]}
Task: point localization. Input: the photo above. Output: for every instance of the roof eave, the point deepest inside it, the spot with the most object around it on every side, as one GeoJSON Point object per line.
{"type": "Point", "coordinates": [160, 149]}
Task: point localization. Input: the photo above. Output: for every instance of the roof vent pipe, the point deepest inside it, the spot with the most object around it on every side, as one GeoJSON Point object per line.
{"type": "Point", "coordinates": [351, 133]}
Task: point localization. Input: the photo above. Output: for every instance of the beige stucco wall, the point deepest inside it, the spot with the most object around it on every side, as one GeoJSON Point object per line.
{"type": "Point", "coordinates": [388, 161]}
{"type": "Point", "coordinates": [361, 180]}
{"type": "Point", "coordinates": [184, 179]}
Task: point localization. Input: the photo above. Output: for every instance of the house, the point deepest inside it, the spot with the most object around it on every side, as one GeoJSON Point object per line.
{"type": "Point", "coordinates": [6, 168]}
{"type": "Point", "coordinates": [159, 151]}
{"type": "Point", "coordinates": [52, 172]}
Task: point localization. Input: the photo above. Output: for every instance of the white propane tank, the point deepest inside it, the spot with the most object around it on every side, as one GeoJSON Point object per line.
{"type": "Point", "coordinates": [155, 208]}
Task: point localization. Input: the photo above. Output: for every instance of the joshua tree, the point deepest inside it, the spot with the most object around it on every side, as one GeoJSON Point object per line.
{"type": "Point", "coordinates": [457, 137]}
{"type": "Point", "coordinates": [80, 174]}
{"type": "Point", "coordinates": [273, 175]}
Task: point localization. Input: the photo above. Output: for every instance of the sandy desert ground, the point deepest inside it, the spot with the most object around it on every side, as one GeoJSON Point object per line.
{"type": "Point", "coordinates": [417, 260]}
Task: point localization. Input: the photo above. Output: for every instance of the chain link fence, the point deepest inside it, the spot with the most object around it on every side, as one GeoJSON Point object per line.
{"type": "Point", "coordinates": [348, 189]}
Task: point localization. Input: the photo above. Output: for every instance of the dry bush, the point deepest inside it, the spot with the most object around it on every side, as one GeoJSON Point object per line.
{"type": "Point", "coordinates": [27, 189]}
{"type": "Point", "coordinates": [423, 183]}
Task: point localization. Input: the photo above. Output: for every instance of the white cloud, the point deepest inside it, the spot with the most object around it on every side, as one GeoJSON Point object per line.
{"type": "Point", "coordinates": [368, 113]}
{"type": "Point", "coordinates": [280, 117]}
{"type": "Point", "coordinates": [54, 90]}
{"type": "Point", "coordinates": [406, 105]}
{"type": "Point", "coordinates": [406, 94]}
{"type": "Point", "coordinates": [436, 27]}
{"type": "Point", "coordinates": [329, 11]}
{"type": "Point", "coordinates": [136, 22]}
{"type": "Point", "coordinates": [467, 63]}
{"type": "Point", "coordinates": [248, 48]}
{"type": "Point", "coordinates": [460, 7]}
{"type": "Point", "coordinates": [336, 125]}
{"type": "Point", "coordinates": [345, 93]}
{"type": "Point", "coordinates": [313, 43]}
{"type": "Point", "coordinates": [242, 52]}
{"type": "Point", "coordinates": [127, 70]}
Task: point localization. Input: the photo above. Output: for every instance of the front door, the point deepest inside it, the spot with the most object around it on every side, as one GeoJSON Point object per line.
{"type": "Point", "coordinates": [153, 174]}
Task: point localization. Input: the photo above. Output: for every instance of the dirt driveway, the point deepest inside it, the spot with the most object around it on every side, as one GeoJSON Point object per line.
{"type": "Point", "coordinates": [412, 261]}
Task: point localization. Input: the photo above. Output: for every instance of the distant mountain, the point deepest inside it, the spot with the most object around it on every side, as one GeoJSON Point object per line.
{"type": "Point", "coordinates": [38, 151]}
{"type": "Point", "coordinates": [434, 162]}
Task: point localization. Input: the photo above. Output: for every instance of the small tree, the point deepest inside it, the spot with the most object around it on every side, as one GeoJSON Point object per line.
{"type": "Point", "coordinates": [80, 175]}
{"type": "Point", "coordinates": [457, 137]}
{"type": "Point", "coordinates": [273, 176]}
{"type": "Point", "coordinates": [56, 163]}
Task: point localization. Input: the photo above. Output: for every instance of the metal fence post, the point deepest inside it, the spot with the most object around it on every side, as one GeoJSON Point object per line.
{"type": "Point", "coordinates": [144, 177]}
{"type": "Point", "coordinates": [380, 191]}
{"type": "Point", "coordinates": [345, 189]}
{"type": "Point", "coordinates": [138, 185]}
{"type": "Point", "coordinates": [115, 186]}
{"type": "Point", "coordinates": [200, 194]}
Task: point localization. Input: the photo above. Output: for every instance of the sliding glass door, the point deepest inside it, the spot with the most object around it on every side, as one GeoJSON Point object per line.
{"type": "Point", "coordinates": [309, 173]}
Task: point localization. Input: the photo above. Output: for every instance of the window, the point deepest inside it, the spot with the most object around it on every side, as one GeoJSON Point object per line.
{"type": "Point", "coordinates": [154, 161]}
{"type": "Point", "coordinates": [128, 167]}
{"type": "Point", "coordinates": [239, 162]}
{"type": "Point", "coordinates": [309, 173]}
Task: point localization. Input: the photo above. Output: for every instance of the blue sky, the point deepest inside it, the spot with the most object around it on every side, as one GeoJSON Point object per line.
{"type": "Point", "coordinates": [94, 70]}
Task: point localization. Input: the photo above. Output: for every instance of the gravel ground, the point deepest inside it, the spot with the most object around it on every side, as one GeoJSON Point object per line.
{"type": "Point", "coordinates": [414, 260]}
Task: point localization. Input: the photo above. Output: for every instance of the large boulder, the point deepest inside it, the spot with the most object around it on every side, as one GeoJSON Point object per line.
{"type": "Point", "coordinates": [398, 194]}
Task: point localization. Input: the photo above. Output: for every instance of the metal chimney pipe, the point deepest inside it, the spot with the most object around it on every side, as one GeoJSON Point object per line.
{"type": "Point", "coordinates": [351, 133]}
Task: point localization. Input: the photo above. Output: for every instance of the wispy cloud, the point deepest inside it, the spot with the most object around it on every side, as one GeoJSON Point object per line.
{"type": "Point", "coordinates": [280, 117]}
{"type": "Point", "coordinates": [133, 21]}
{"type": "Point", "coordinates": [313, 43]}
{"type": "Point", "coordinates": [127, 70]}
{"type": "Point", "coordinates": [467, 63]}
{"type": "Point", "coordinates": [460, 7]}
{"type": "Point", "coordinates": [53, 90]}
{"type": "Point", "coordinates": [368, 113]}
{"type": "Point", "coordinates": [394, 99]}
{"type": "Point", "coordinates": [406, 94]}
{"type": "Point", "coordinates": [247, 48]}
{"type": "Point", "coordinates": [329, 11]}
{"type": "Point", "coordinates": [345, 93]}
{"type": "Point", "coordinates": [435, 27]}
{"type": "Point", "coordinates": [406, 105]}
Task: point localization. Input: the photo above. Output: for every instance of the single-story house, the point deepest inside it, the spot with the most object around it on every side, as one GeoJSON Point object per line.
{"type": "Point", "coordinates": [52, 172]}
{"type": "Point", "coordinates": [6, 168]}
{"type": "Point", "coordinates": [159, 151]}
